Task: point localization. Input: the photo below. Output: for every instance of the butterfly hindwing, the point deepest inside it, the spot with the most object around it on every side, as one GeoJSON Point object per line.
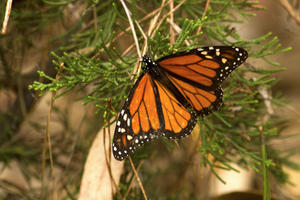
{"type": "Point", "coordinates": [198, 74]}
{"type": "Point", "coordinates": [177, 119]}
{"type": "Point", "coordinates": [202, 101]}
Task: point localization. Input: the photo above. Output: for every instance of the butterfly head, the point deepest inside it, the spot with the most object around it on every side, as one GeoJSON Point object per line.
{"type": "Point", "coordinates": [147, 62]}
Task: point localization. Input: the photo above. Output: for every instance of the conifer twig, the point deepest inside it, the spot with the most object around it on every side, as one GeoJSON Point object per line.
{"type": "Point", "coordinates": [6, 17]}
{"type": "Point", "coordinates": [178, 30]}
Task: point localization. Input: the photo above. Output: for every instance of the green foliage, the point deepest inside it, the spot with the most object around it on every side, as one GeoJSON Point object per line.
{"type": "Point", "coordinates": [94, 47]}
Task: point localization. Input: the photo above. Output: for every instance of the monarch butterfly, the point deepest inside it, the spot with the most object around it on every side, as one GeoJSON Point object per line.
{"type": "Point", "coordinates": [171, 93]}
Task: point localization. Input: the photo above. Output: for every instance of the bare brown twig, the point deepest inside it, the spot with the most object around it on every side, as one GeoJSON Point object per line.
{"type": "Point", "coordinates": [164, 17]}
{"type": "Point", "coordinates": [132, 29]}
{"type": "Point", "coordinates": [6, 17]}
{"type": "Point", "coordinates": [290, 10]}
{"type": "Point", "coordinates": [138, 178]}
{"type": "Point", "coordinates": [47, 141]}
{"type": "Point", "coordinates": [108, 161]}
{"type": "Point", "coordinates": [130, 184]}
{"type": "Point", "coordinates": [203, 15]}
{"type": "Point", "coordinates": [171, 18]}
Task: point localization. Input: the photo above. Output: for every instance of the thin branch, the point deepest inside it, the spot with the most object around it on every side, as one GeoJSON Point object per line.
{"type": "Point", "coordinates": [290, 10]}
{"type": "Point", "coordinates": [138, 178]}
{"type": "Point", "coordinates": [164, 17]}
{"type": "Point", "coordinates": [95, 19]}
{"type": "Point", "coordinates": [6, 17]}
{"type": "Point", "coordinates": [131, 182]}
{"type": "Point", "coordinates": [48, 140]}
{"type": "Point", "coordinates": [137, 69]}
{"type": "Point", "coordinates": [153, 22]}
{"type": "Point", "coordinates": [203, 15]}
{"type": "Point", "coordinates": [141, 20]}
{"type": "Point", "coordinates": [171, 19]}
{"type": "Point", "coordinates": [108, 161]}
{"type": "Point", "coordinates": [263, 91]}
{"type": "Point", "coordinates": [141, 30]}
{"type": "Point", "coordinates": [132, 29]}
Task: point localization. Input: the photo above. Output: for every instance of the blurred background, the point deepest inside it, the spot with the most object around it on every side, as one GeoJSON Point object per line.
{"type": "Point", "coordinates": [74, 127]}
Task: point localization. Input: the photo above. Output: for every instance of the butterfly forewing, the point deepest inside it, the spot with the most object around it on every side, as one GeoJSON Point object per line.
{"type": "Point", "coordinates": [205, 67]}
{"type": "Point", "coordinates": [139, 119]}
{"type": "Point", "coordinates": [151, 110]}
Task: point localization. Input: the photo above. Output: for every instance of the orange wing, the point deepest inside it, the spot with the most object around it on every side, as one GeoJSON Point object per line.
{"type": "Point", "coordinates": [205, 67]}
{"type": "Point", "coordinates": [198, 74]}
{"type": "Point", "coordinates": [202, 101]}
{"type": "Point", "coordinates": [150, 111]}
{"type": "Point", "coordinates": [178, 121]}
{"type": "Point", "coordinates": [139, 119]}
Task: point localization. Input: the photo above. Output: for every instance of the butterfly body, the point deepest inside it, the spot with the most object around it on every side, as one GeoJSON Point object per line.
{"type": "Point", "coordinates": [171, 93]}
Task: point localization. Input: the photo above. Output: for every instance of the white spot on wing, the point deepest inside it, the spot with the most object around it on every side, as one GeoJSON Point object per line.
{"type": "Point", "coordinates": [129, 137]}
{"type": "Point", "coordinates": [128, 122]}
